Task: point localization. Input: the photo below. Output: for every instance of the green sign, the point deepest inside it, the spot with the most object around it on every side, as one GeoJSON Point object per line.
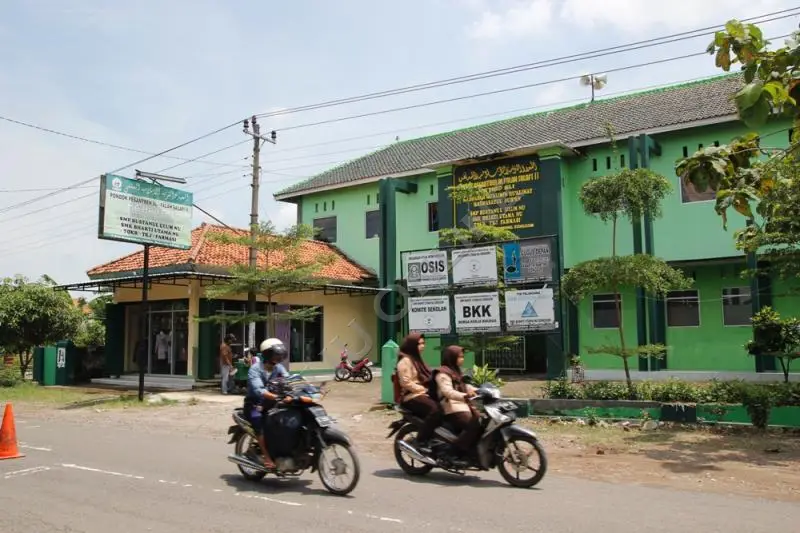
{"type": "Point", "coordinates": [144, 213]}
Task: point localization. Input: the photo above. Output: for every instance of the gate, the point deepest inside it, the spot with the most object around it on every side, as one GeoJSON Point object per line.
{"type": "Point", "coordinates": [510, 357]}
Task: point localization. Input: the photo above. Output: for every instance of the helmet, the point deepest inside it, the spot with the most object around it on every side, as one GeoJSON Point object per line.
{"type": "Point", "coordinates": [273, 349]}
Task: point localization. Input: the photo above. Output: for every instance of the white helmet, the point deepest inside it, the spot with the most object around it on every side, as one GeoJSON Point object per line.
{"type": "Point", "coordinates": [269, 343]}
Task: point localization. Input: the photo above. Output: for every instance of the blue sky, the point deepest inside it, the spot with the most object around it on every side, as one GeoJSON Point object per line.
{"type": "Point", "coordinates": [150, 74]}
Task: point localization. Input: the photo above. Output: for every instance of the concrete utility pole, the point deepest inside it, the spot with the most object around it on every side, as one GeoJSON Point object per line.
{"type": "Point", "coordinates": [258, 140]}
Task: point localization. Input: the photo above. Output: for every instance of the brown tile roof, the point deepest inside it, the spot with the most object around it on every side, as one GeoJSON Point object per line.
{"type": "Point", "coordinates": [207, 253]}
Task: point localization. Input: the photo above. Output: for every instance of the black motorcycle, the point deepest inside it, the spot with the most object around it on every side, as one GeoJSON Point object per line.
{"type": "Point", "coordinates": [497, 446]}
{"type": "Point", "coordinates": [300, 436]}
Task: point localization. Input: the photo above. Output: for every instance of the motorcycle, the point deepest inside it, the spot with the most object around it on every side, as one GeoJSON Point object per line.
{"type": "Point", "coordinates": [496, 447]}
{"type": "Point", "coordinates": [300, 435]}
{"type": "Point", "coordinates": [347, 369]}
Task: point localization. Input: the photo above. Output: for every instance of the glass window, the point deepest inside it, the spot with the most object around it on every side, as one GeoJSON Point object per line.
{"type": "Point", "coordinates": [372, 221]}
{"type": "Point", "coordinates": [433, 216]}
{"type": "Point", "coordinates": [305, 345]}
{"type": "Point", "coordinates": [326, 229]}
{"type": "Point", "coordinates": [604, 311]}
{"type": "Point", "coordinates": [683, 309]}
{"type": "Point", "coordinates": [736, 306]}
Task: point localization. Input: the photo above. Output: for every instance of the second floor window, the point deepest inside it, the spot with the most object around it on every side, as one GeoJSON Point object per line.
{"type": "Point", "coordinates": [372, 222]}
{"type": "Point", "coordinates": [326, 229]}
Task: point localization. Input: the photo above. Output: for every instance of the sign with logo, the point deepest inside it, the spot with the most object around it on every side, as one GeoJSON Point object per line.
{"type": "Point", "coordinates": [426, 269]}
{"type": "Point", "coordinates": [528, 260]}
{"type": "Point", "coordinates": [144, 213]}
{"type": "Point", "coordinates": [61, 358]}
{"type": "Point", "coordinates": [475, 266]}
{"type": "Point", "coordinates": [477, 312]}
{"type": "Point", "coordinates": [429, 314]}
{"type": "Point", "coordinates": [530, 310]}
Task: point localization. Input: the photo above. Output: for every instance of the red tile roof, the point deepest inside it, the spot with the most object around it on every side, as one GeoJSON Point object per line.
{"type": "Point", "coordinates": [205, 252]}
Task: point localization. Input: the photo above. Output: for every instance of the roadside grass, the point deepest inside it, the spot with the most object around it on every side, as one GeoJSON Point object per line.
{"type": "Point", "coordinates": [76, 397]}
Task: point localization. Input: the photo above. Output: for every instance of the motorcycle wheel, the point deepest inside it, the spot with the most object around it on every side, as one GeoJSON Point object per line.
{"type": "Point", "coordinates": [323, 471]}
{"type": "Point", "coordinates": [407, 467]}
{"type": "Point", "coordinates": [504, 465]}
{"type": "Point", "coordinates": [242, 447]}
{"type": "Point", "coordinates": [366, 374]}
{"type": "Point", "coordinates": [341, 374]}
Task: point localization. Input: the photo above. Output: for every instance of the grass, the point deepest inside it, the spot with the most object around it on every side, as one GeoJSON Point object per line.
{"type": "Point", "coordinates": [74, 397]}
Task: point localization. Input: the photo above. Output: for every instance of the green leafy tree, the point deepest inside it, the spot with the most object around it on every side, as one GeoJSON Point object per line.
{"type": "Point", "coordinates": [34, 314]}
{"type": "Point", "coordinates": [92, 330]}
{"type": "Point", "coordinates": [627, 194]}
{"type": "Point", "coordinates": [284, 267]}
{"type": "Point", "coordinates": [475, 234]}
{"type": "Point", "coordinates": [775, 336]}
{"type": "Point", "coordinates": [759, 182]}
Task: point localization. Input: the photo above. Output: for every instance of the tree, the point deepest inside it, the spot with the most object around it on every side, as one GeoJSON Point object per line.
{"type": "Point", "coordinates": [34, 314]}
{"type": "Point", "coordinates": [625, 194]}
{"type": "Point", "coordinates": [765, 191]}
{"type": "Point", "coordinates": [473, 234]}
{"type": "Point", "coordinates": [775, 336]}
{"type": "Point", "coordinates": [284, 269]}
{"type": "Point", "coordinates": [92, 330]}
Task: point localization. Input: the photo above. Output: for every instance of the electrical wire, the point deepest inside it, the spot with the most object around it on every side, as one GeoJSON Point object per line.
{"type": "Point", "coordinates": [638, 45]}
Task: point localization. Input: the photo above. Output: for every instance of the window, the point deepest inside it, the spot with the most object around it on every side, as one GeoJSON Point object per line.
{"type": "Point", "coordinates": [305, 340]}
{"type": "Point", "coordinates": [604, 311]}
{"type": "Point", "coordinates": [433, 216]}
{"type": "Point", "coordinates": [372, 221]}
{"type": "Point", "coordinates": [326, 229]}
{"type": "Point", "coordinates": [736, 306]}
{"type": "Point", "coordinates": [683, 309]}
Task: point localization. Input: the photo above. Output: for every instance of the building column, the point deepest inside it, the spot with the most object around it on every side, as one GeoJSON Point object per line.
{"type": "Point", "coordinates": [194, 328]}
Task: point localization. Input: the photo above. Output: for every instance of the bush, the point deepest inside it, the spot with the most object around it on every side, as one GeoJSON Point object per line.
{"type": "Point", "coordinates": [561, 389]}
{"type": "Point", "coordinates": [605, 390]}
{"type": "Point", "coordinates": [10, 376]}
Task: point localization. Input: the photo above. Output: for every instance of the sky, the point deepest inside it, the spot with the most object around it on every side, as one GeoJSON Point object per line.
{"type": "Point", "coordinates": [149, 75]}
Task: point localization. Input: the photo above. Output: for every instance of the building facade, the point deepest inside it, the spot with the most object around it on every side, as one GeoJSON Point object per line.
{"type": "Point", "coordinates": [392, 201]}
{"type": "Point", "coordinates": [178, 343]}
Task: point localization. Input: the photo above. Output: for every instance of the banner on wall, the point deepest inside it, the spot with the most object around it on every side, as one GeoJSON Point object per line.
{"type": "Point", "coordinates": [477, 312]}
{"type": "Point", "coordinates": [528, 260]}
{"type": "Point", "coordinates": [475, 266]}
{"type": "Point", "coordinates": [530, 310]}
{"type": "Point", "coordinates": [429, 314]}
{"type": "Point", "coordinates": [426, 269]}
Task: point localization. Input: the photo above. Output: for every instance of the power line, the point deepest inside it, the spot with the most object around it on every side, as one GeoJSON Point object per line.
{"type": "Point", "coordinates": [638, 45]}
{"type": "Point", "coordinates": [100, 143]}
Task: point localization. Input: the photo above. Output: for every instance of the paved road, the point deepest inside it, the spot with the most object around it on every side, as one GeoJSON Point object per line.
{"type": "Point", "coordinates": [94, 479]}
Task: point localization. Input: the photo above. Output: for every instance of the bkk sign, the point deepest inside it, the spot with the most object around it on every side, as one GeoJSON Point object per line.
{"type": "Point", "coordinates": [530, 310]}
{"type": "Point", "coordinates": [477, 312]}
{"type": "Point", "coordinates": [510, 187]}
{"type": "Point", "coordinates": [429, 314]}
{"type": "Point", "coordinates": [144, 213]}
{"type": "Point", "coordinates": [426, 269]}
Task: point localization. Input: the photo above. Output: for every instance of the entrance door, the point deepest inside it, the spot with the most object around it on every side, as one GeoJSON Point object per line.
{"type": "Point", "coordinates": [180, 343]}
{"type": "Point", "coordinates": [239, 331]}
{"type": "Point", "coordinates": [160, 342]}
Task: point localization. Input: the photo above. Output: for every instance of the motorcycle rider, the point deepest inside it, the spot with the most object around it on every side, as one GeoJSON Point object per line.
{"type": "Point", "coordinates": [454, 395]}
{"type": "Point", "coordinates": [414, 379]}
{"type": "Point", "coordinates": [268, 367]}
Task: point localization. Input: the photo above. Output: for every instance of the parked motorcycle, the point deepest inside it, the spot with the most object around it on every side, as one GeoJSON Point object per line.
{"type": "Point", "coordinates": [497, 446]}
{"type": "Point", "coordinates": [347, 369]}
{"type": "Point", "coordinates": [300, 436]}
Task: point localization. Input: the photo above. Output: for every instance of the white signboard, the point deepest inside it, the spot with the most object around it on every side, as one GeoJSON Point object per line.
{"type": "Point", "coordinates": [477, 312]}
{"type": "Point", "coordinates": [475, 266]}
{"type": "Point", "coordinates": [429, 314]}
{"type": "Point", "coordinates": [61, 358]}
{"type": "Point", "coordinates": [144, 213]}
{"type": "Point", "coordinates": [426, 269]}
{"type": "Point", "coordinates": [530, 310]}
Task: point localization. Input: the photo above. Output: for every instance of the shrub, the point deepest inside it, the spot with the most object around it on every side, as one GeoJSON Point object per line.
{"type": "Point", "coordinates": [483, 374]}
{"type": "Point", "coordinates": [561, 389]}
{"type": "Point", "coordinates": [10, 376]}
{"type": "Point", "coordinates": [605, 390]}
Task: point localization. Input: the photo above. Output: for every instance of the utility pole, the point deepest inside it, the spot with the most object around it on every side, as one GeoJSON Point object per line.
{"type": "Point", "coordinates": [258, 141]}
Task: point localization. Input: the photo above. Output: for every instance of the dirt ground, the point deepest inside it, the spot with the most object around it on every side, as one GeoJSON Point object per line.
{"type": "Point", "coordinates": [734, 461]}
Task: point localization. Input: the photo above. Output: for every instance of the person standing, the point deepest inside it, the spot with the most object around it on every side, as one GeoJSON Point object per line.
{"type": "Point", "coordinates": [226, 361]}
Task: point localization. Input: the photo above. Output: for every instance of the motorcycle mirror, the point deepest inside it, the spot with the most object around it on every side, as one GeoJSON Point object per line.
{"type": "Point", "coordinates": [468, 379]}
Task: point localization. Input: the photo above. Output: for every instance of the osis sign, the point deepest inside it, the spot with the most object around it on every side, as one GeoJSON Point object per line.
{"type": "Point", "coordinates": [426, 269]}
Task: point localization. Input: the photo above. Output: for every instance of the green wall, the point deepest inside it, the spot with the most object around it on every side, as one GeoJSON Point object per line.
{"type": "Point", "coordinates": [589, 336]}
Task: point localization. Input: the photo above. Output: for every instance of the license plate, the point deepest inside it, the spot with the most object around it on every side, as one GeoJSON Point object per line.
{"type": "Point", "coordinates": [321, 416]}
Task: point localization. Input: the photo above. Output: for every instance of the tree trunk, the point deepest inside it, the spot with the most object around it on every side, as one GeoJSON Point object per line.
{"type": "Point", "coordinates": [270, 316]}
{"type": "Point", "coordinates": [785, 367]}
{"type": "Point", "coordinates": [618, 308]}
{"type": "Point", "coordinates": [24, 362]}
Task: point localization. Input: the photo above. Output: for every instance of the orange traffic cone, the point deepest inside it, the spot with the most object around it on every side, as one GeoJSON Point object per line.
{"type": "Point", "coordinates": [8, 436]}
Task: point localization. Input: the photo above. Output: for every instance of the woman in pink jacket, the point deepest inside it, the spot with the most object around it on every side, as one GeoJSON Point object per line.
{"type": "Point", "coordinates": [414, 378]}
{"type": "Point", "coordinates": [454, 396]}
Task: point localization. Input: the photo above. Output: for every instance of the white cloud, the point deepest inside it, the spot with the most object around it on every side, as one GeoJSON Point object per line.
{"type": "Point", "coordinates": [532, 18]}
{"type": "Point", "coordinates": [282, 214]}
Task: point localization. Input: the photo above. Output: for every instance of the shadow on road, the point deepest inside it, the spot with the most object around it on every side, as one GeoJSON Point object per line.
{"type": "Point", "coordinates": [271, 485]}
{"type": "Point", "coordinates": [442, 478]}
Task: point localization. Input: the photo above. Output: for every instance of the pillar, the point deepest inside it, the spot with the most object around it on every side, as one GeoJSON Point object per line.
{"type": "Point", "coordinates": [194, 328]}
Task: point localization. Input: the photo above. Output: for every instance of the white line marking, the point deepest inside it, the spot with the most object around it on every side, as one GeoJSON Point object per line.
{"type": "Point", "coordinates": [32, 427]}
{"type": "Point", "coordinates": [273, 500]}
{"type": "Point", "coordinates": [26, 471]}
{"type": "Point", "coordinates": [384, 518]}
{"type": "Point", "coordinates": [37, 448]}
{"type": "Point", "coordinates": [98, 471]}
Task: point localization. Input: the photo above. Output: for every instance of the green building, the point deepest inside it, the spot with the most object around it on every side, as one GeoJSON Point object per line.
{"type": "Point", "coordinates": [394, 200]}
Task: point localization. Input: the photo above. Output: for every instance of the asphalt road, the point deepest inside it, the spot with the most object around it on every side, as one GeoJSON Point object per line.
{"type": "Point", "coordinates": [94, 479]}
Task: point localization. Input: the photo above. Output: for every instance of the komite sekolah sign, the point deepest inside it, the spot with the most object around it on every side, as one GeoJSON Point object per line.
{"type": "Point", "coordinates": [429, 314]}
{"type": "Point", "coordinates": [144, 213]}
